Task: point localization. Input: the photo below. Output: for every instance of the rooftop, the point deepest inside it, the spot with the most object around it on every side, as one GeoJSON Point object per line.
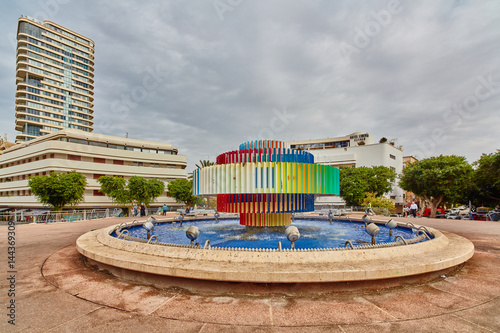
{"type": "Point", "coordinates": [81, 135]}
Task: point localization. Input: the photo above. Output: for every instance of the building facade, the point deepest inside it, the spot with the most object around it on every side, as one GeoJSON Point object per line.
{"type": "Point", "coordinates": [91, 154]}
{"type": "Point", "coordinates": [55, 79]}
{"type": "Point", "coordinates": [355, 150]}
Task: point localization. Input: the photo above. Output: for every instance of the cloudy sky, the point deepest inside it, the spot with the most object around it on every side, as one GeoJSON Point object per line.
{"type": "Point", "coordinates": [206, 75]}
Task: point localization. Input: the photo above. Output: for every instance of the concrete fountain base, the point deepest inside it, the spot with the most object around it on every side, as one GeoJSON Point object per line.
{"type": "Point", "coordinates": [443, 252]}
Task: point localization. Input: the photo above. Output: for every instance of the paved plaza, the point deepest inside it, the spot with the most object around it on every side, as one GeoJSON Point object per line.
{"type": "Point", "coordinates": [56, 292]}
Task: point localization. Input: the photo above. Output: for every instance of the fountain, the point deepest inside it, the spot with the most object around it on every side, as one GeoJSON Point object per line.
{"type": "Point", "coordinates": [266, 182]}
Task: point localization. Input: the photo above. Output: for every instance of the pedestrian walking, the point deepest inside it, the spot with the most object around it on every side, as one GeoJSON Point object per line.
{"type": "Point", "coordinates": [413, 209]}
{"type": "Point", "coordinates": [369, 209]}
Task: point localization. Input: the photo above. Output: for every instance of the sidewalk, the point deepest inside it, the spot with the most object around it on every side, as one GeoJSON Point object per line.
{"type": "Point", "coordinates": [55, 292]}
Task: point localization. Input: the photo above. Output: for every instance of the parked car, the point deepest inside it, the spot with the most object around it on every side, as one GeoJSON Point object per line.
{"type": "Point", "coordinates": [453, 216]}
{"type": "Point", "coordinates": [494, 215]}
{"type": "Point", "coordinates": [440, 213]}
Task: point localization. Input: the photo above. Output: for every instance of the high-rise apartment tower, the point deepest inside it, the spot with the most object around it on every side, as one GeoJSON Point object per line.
{"type": "Point", "coordinates": [55, 79]}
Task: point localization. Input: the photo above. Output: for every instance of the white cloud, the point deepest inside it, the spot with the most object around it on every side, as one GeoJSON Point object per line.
{"type": "Point", "coordinates": [219, 83]}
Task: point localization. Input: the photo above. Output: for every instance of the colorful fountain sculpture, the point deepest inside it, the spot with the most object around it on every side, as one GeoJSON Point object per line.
{"type": "Point", "coordinates": [265, 181]}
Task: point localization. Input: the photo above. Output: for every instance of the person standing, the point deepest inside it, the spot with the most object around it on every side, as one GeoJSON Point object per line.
{"type": "Point", "coordinates": [413, 209]}
{"type": "Point", "coordinates": [136, 210]}
{"type": "Point", "coordinates": [165, 207]}
{"type": "Point", "coordinates": [405, 211]}
{"type": "Point", "coordinates": [143, 209]}
{"type": "Point", "coordinates": [369, 209]}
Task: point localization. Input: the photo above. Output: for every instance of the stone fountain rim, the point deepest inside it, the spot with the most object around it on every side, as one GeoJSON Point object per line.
{"type": "Point", "coordinates": [444, 251]}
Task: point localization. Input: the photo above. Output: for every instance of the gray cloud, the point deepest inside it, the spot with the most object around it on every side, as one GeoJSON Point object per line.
{"type": "Point", "coordinates": [175, 72]}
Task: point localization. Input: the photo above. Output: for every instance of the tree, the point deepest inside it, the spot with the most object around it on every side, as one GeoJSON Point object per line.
{"type": "Point", "coordinates": [182, 191]}
{"type": "Point", "coordinates": [204, 163]}
{"type": "Point", "coordinates": [355, 183]}
{"type": "Point", "coordinates": [137, 189]}
{"type": "Point", "coordinates": [59, 189]}
{"type": "Point", "coordinates": [438, 179]}
{"type": "Point", "coordinates": [142, 190]}
{"type": "Point", "coordinates": [379, 204]}
{"type": "Point", "coordinates": [486, 180]}
{"type": "Point", "coordinates": [115, 188]}
{"type": "Point", "coordinates": [353, 188]}
{"type": "Point", "coordinates": [380, 180]}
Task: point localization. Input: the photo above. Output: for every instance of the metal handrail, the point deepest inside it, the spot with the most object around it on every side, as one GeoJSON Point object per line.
{"type": "Point", "coordinates": [150, 241]}
{"type": "Point", "coordinates": [402, 238]}
{"type": "Point", "coordinates": [419, 232]}
{"type": "Point", "coordinates": [122, 233]}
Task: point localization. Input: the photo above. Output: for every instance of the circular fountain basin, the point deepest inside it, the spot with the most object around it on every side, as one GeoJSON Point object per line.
{"type": "Point", "coordinates": [228, 233]}
{"type": "Point", "coordinates": [382, 261]}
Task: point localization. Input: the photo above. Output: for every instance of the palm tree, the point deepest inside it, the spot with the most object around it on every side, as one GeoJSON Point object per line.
{"type": "Point", "coordinates": [202, 164]}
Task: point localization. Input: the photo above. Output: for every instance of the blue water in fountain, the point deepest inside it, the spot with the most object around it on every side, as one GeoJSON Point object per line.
{"type": "Point", "coordinates": [313, 234]}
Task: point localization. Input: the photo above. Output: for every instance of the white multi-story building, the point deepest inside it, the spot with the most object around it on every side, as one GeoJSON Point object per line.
{"type": "Point", "coordinates": [54, 78]}
{"type": "Point", "coordinates": [91, 154]}
{"type": "Point", "coordinates": [354, 150]}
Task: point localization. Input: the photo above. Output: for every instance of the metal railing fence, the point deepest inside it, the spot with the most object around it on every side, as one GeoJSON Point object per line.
{"type": "Point", "coordinates": [47, 216]}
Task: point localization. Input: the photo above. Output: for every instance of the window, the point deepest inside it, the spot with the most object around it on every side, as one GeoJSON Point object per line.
{"type": "Point", "coordinates": [99, 160]}
{"type": "Point", "coordinates": [392, 156]}
{"type": "Point", "coordinates": [98, 193]}
{"type": "Point", "coordinates": [98, 144]}
{"type": "Point", "coordinates": [97, 175]}
{"type": "Point", "coordinates": [117, 162]}
{"type": "Point", "coordinates": [33, 130]}
{"type": "Point", "coordinates": [74, 158]}
{"type": "Point", "coordinates": [115, 146]}
{"type": "Point", "coordinates": [83, 142]}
